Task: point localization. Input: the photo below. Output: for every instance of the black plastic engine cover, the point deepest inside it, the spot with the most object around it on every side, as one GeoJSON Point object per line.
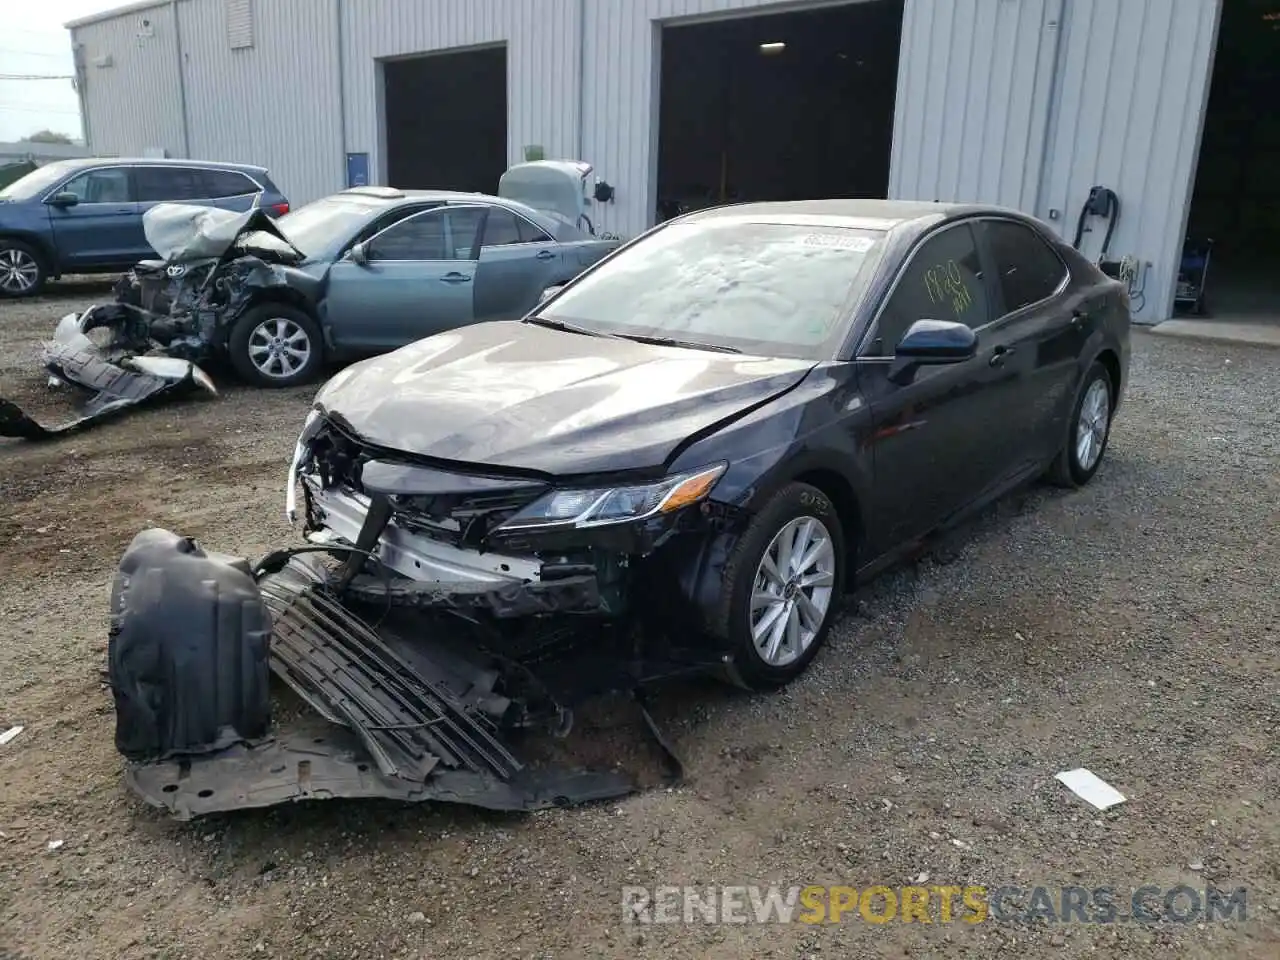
{"type": "Point", "coordinates": [188, 650]}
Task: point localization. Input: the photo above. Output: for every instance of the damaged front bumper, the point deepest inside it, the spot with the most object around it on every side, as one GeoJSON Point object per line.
{"type": "Point", "coordinates": [115, 381]}
{"type": "Point", "coordinates": [415, 709]}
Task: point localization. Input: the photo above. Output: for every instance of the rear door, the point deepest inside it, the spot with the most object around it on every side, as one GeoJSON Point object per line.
{"type": "Point", "coordinates": [1041, 333]}
{"type": "Point", "coordinates": [102, 229]}
{"type": "Point", "coordinates": [418, 279]}
{"type": "Point", "coordinates": [518, 260]}
{"type": "Point", "coordinates": [931, 436]}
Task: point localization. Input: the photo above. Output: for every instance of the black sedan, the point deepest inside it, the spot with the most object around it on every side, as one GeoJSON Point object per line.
{"type": "Point", "coordinates": [759, 403]}
{"type": "Point", "coordinates": [703, 441]}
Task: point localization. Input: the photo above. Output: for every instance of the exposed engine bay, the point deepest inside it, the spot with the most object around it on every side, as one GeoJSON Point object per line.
{"type": "Point", "coordinates": [169, 316]}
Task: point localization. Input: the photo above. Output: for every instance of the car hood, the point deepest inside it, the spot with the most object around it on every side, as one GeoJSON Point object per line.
{"type": "Point", "coordinates": [522, 397]}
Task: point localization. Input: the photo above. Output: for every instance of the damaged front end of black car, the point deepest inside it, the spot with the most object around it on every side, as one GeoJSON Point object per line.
{"type": "Point", "coordinates": [170, 316]}
{"type": "Point", "coordinates": [432, 623]}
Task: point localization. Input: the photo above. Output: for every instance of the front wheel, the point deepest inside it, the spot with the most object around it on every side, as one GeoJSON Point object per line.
{"type": "Point", "coordinates": [1088, 431]}
{"type": "Point", "coordinates": [276, 345]}
{"type": "Point", "coordinates": [782, 586]}
{"type": "Point", "coordinates": [22, 274]}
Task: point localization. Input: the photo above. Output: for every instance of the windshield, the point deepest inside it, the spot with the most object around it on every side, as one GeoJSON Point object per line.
{"type": "Point", "coordinates": [35, 183]}
{"type": "Point", "coordinates": [767, 288]}
{"type": "Point", "coordinates": [322, 224]}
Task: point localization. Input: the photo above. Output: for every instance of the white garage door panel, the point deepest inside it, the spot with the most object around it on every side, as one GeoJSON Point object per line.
{"type": "Point", "coordinates": [974, 86]}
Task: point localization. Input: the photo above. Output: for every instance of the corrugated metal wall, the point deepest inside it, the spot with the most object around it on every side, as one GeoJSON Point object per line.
{"type": "Point", "coordinates": [973, 96]}
{"type": "Point", "coordinates": [542, 63]}
{"type": "Point", "coordinates": [1128, 111]}
{"type": "Point", "coordinates": [1029, 103]}
{"type": "Point", "coordinates": [135, 102]}
{"type": "Point", "coordinates": [272, 103]}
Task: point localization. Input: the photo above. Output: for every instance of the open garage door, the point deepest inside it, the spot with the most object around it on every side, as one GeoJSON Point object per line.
{"type": "Point", "coordinates": [446, 120]}
{"type": "Point", "coordinates": [782, 106]}
{"type": "Point", "coordinates": [1231, 259]}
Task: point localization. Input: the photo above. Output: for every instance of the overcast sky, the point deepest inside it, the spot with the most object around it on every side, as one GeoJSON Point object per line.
{"type": "Point", "coordinates": [34, 42]}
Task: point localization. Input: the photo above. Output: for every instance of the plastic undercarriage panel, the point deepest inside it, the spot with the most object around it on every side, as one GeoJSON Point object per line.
{"type": "Point", "coordinates": [397, 718]}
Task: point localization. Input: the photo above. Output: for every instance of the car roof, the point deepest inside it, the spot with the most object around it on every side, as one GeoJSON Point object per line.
{"type": "Point", "coordinates": [869, 213]}
{"type": "Point", "coordinates": [394, 197]}
{"type": "Point", "coordinates": [85, 163]}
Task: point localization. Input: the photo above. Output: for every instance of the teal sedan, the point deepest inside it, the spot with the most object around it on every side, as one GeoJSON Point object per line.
{"type": "Point", "coordinates": [383, 267]}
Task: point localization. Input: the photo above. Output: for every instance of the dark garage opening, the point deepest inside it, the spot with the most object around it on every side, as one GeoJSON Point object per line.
{"type": "Point", "coordinates": [1236, 200]}
{"type": "Point", "coordinates": [446, 120]}
{"type": "Point", "coordinates": [778, 106]}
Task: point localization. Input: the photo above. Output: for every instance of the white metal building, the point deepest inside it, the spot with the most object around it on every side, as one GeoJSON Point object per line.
{"type": "Point", "coordinates": [1028, 103]}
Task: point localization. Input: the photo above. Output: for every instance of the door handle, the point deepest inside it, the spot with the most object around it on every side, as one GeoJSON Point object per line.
{"type": "Point", "coordinates": [545, 255]}
{"type": "Point", "coordinates": [999, 354]}
{"type": "Point", "coordinates": [455, 278]}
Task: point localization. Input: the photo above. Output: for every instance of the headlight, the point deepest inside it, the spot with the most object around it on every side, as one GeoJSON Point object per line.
{"type": "Point", "coordinates": [602, 505]}
{"type": "Point", "coordinates": [309, 427]}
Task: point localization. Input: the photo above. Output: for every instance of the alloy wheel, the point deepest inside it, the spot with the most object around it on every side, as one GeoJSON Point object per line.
{"type": "Point", "coordinates": [279, 348]}
{"type": "Point", "coordinates": [792, 591]}
{"type": "Point", "coordinates": [18, 271]}
{"type": "Point", "coordinates": [1091, 428]}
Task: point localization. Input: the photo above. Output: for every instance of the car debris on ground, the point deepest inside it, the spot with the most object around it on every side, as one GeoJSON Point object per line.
{"type": "Point", "coordinates": [169, 315]}
{"type": "Point", "coordinates": [1090, 788]}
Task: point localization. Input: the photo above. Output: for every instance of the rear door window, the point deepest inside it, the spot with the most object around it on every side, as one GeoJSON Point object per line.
{"type": "Point", "coordinates": [942, 281]}
{"type": "Point", "coordinates": [1027, 269]}
{"type": "Point", "coordinates": [170, 184]}
{"type": "Point", "coordinates": [226, 183]}
{"type": "Point", "coordinates": [110, 185]}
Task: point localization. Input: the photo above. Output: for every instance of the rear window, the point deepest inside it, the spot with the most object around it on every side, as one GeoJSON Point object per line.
{"type": "Point", "coordinates": [227, 183]}
{"type": "Point", "coordinates": [768, 288]}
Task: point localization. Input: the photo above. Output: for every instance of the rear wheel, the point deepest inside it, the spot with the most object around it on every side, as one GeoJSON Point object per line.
{"type": "Point", "coordinates": [782, 586]}
{"type": "Point", "coordinates": [276, 345]}
{"type": "Point", "coordinates": [1088, 431]}
{"type": "Point", "coordinates": [22, 273]}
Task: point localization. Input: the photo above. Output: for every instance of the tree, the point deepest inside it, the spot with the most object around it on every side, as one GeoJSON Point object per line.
{"type": "Point", "coordinates": [48, 136]}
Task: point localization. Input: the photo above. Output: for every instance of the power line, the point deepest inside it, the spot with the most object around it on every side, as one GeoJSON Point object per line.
{"type": "Point", "coordinates": [36, 76]}
{"type": "Point", "coordinates": [34, 53]}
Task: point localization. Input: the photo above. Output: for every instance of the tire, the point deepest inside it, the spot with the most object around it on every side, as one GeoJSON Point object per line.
{"type": "Point", "coordinates": [796, 507]}
{"type": "Point", "coordinates": [255, 335]}
{"type": "Point", "coordinates": [22, 270]}
{"type": "Point", "coordinates": [1075, 464]}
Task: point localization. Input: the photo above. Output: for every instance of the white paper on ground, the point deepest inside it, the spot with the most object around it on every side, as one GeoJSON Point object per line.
{"type": "Point", "coordinates": [1090, 788]}
{"type": "Point", "coordinates": [9, 735]}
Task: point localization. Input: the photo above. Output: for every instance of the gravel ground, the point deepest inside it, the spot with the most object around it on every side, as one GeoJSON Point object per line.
{"type": "Point", "coordinates": [1129, 628]}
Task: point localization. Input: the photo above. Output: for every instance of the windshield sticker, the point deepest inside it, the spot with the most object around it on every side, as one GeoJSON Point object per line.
{"type": "Point", "coordinates": [838, 241]}
{"type": "Point", "coordinates": [944, 283]}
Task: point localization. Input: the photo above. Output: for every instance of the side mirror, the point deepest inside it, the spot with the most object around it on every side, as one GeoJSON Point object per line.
{"type": "Point", "coordinates": [603, 192]}
{"type": "Point", "coordinates": [64, 199]}
{"type": "Point", "coordinates": [930, 342]}
{"type": "Point", "coordinates": [550, 292]}
{"type": "Point", "coordinates": [358, 254]}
